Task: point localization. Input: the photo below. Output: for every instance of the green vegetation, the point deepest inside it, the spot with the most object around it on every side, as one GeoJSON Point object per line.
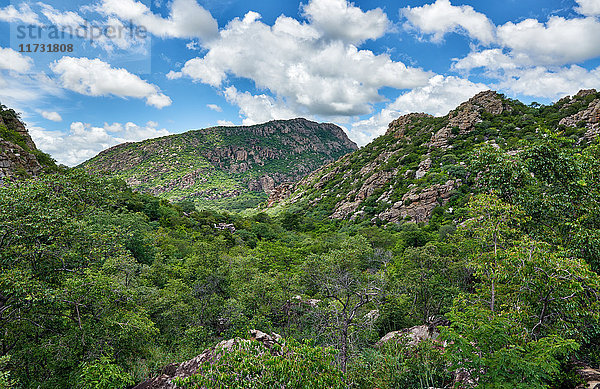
{"type": "Point", "coordinates": [221, 168]}
{"type": "Point", "coordinates": [517, 128]}
{"type": "Point", "coordinates": [101, 286]}
{"type": "Point", "coordinates": [248, 365]}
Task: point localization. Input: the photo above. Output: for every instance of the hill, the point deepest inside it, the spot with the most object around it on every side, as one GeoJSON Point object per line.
{"type": "Point", "coordinates": [224, 167]}
{"type": "Point", "coordinates": [423, 165]}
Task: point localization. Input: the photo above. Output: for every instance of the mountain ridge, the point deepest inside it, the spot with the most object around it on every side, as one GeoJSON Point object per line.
{"type": "Point", "coordinates": [224, 165]}
{"type": "Point", "coordinates": [419, 164]}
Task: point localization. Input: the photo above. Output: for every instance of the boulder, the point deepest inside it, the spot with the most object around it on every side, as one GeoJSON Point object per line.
{"type": "Point", "coordinates": [190, 367]}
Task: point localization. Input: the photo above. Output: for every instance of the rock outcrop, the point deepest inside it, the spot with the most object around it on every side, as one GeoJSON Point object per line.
{"type": "Point", "coordinates": [418, 204]}
{"type": "Point", "coordinates": [588, 117]}
{"type": "Point", "coordinates": [16, 147]}
{"type": "Point", "coordinates": [398, 127]}
{"type": "Point", "coordinates": [589, 375]}
{"type": "Point", "coordinates": [412, 336]}
{"type": "Point", "coordinates": [189, 368]}
{"type": "Point", "coordinates": [464, 118]}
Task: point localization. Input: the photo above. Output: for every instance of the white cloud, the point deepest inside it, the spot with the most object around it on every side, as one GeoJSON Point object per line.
{"type": "Point", "coordinates": [68, 18]}
{"type": "Point", "coordinates": [553, 84]}
{"type": "Point", "coordinates": [21, 90]}
{"type": "Point", "coordinates": [492, 59]}
{"type": "Point", "coordinates": [94, 77]}
{"type": "Point", "coordinates": [437, 98]}
{"type": "Point", "coordinates": [215, 107]}
{"type": "Point", "coordinates": [125, 40]}
{"type": "Point", "coordinates": [557, 42]}
{"type": "Point", "coordinates": [441, 95]}
{"type": "Point", "coordinates": [258, 108]}
{"type": "Point", "coordinates": [187, 18]}
{"type": "Point", "coordinates": [173, 75]}
{"type": "Point", "coordinates": [24, 14]}
{"type": "Point", "coordinates": [338, 19]}
{"type": "Point", "coordinates": [300, 66]}
{"type": "Point", "coordinates": [15, 61]}
{"type": "Point", "coordinates": [83, 141]}
{"type": "Point", "coordinates": [51, 115]}
{"type": "Point", "coordinates": [588, 7]}
{"type": "Point", "coordinates": [225, 123]}
{"type": "Point", "coordinates": [442, 17]}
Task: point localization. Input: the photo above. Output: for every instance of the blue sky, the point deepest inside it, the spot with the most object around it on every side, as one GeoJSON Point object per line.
{"type": "Point", "coordinates": [156, 67]}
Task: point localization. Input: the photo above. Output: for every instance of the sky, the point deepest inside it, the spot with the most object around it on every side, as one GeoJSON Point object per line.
{"type": "Point", "coordinates": [87, 75]}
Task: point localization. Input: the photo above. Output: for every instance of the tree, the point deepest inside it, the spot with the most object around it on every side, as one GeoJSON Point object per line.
{"type": "Point", "coordinates": [348, 288]}
{"type": "Point", "coordinates": [531, 305]}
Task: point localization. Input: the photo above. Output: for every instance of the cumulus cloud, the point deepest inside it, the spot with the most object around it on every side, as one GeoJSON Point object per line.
{"type": "Point", "coordinates": [551, 83]}
{"type": "Point", "coordinates": [492, 59]}
{"type": "Point", "coordinates": [82, 141]}
{"type": "Point", "coordinates": [51, 115]}
{"type": "Point", "coordinates": [588, 7]}
{"type": "Point", "coordinates": [187, 19]}
{"type": "Point", "coordinates": [22, 14]}
{"type": "Point", "coordinates": [14, 61]}
{"type": "Point", "coordinates": [556, 42]}
{"type": "Point", "coordinates": [300, 66]}
{"type": "Point", "coordinates": [215, 107]}
{"type": "Point", "coordinates": [258, 108]}
{"type": "Point", "coordinates": [442, 17]}
{"type": "Point", "coordinates": [438, 97]}
{"type": "Point", "coordinates": [94, 77]}
{"type": "Point", "coordinates": [338, 19]}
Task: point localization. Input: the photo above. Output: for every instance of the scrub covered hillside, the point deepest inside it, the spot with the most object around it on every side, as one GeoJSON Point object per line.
{"type": "Point", "coordinates": [224, 167]}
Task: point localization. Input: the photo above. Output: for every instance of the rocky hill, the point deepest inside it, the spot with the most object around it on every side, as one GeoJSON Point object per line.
{"type": "Point", "coordinates": [224, 167]}
{"type": "Point", "coordinates": [19, 157]}
{"type": "Point", "coordinates": [419, 166]}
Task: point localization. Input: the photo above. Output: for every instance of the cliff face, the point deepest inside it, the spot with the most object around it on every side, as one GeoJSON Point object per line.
{"type": "Point", "coordinates": [419, 165]}
{"type": "Point", "coordinates": [230, 167]}
{"type": "Point", "coordinates": [18, 154]}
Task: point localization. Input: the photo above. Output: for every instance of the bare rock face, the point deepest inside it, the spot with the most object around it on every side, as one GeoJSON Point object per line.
{"type": "Point", "coordinates": [16, 160]}
{"type": "Point", "coordinates": [189, 368]}
{"type": "Point", "coordinates": [280, 193]}
{"type": "Point", "coordinates": [418, 204]}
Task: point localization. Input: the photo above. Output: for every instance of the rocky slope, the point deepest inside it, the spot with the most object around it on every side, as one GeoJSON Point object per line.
{"type": "Point", "coordinates": [19, 157]}
{"type": "Point", "coordinates": [417, 168]}
{"type": "Point", "coordinates": [226, 167]}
